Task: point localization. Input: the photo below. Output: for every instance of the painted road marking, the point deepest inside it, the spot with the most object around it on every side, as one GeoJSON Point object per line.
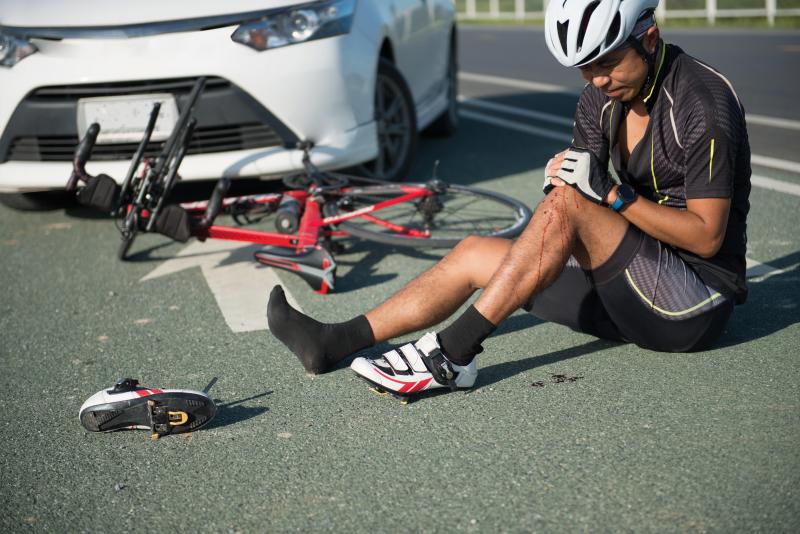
{"type": "Point", "coordinates": [760, 270]}
{"type": "Point", "coordinates": [752, 118]}
{"type": "Point", "coordinates": [764, 161]}
{"type": "Point", "coordinates": [518, 126]}
{"type": "Point", "coordinates": [239, 285]}
{"type": "Point", "coordinates": [503, 108]}
{"type": "Point", "coordinates": [775, 185]}
{"type": "Point", "coordinates": [517, 84]}
{"type": "Point", "coordinates": [775, 122]}
{"type": "Point", "coordinates": [775, 163]}
{"type": "Point", "coordinates": [758, 181]}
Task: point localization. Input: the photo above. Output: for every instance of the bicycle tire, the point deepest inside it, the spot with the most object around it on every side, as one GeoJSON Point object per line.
{"type": "Point", "coordinates": [497, 216]}
{"type": "Point", "coordinates": [130, 226]}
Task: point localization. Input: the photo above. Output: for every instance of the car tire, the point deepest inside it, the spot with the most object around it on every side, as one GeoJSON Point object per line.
{"type": "Point", "coordinates": [39, 201]}
{"type": "Point", "coordinates": [396, 124]}
{"type": "Point", "coordinates": [446, 124]}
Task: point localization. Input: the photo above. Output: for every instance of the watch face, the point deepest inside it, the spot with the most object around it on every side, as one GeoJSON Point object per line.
{"type": "Point", "coordinates": [626, 193]}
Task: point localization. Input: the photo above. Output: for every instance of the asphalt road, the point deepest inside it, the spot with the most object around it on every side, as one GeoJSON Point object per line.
{"type": "Point", "coordinates": [636, 441]}
{"type": "Point", "coordinates": [764, 68]}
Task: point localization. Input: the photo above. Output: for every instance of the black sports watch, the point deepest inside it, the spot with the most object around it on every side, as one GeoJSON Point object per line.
{"type": "Point", "coordinates": [625, 195]}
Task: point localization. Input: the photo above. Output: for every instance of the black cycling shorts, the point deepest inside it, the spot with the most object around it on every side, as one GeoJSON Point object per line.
{"type": "Point", "coordinates": [644, 293]}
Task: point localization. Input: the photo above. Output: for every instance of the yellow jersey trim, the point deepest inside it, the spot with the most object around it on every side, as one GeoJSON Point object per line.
{"type": "Point", "coordinates": [711, 161]}
{"type": "Point", "coordinates": [712, 298]}
{"type": "Point", "coordinates": [658, 70]}
{"type": "Point", "coordinates": [653, 169]}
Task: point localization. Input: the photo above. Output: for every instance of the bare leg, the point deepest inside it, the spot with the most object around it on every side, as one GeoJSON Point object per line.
{"type": "Point", "coordinates": [511, 272]}
{"type": "Point", "coordinates": [564, 223]}
{"type": "Point", "coordinates": [438, 292]}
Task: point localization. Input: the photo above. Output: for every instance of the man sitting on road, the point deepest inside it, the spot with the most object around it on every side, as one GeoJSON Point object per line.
{"type": "Point", "coordinates": [662, 268]}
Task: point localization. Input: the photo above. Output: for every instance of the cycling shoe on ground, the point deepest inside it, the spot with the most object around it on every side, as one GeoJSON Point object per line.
{"type": "Point", "coordinates": [162, 411]}
{"type": "Point", "coordinates": [414, 368]}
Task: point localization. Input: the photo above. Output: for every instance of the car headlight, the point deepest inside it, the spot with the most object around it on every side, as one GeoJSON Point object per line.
{"type": "Point", "coordinates": [13, 50]}
{"type": "Point", "coordinates": [297, 24]}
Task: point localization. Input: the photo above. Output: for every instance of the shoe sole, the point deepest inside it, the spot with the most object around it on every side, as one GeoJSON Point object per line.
{"type": "Point", "coordinates": [172, 413]}
{"type": "Point", "coordinates": [404, 399]}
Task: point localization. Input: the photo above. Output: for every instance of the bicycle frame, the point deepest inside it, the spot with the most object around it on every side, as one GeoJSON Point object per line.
{"type": "Point", "coordinates": [308, 215]}
{"type": "Point", "coordinates": [312, 223]}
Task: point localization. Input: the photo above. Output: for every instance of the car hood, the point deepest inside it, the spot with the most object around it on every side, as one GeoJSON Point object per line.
{"type": "Point", "coordinates": [93, 13]}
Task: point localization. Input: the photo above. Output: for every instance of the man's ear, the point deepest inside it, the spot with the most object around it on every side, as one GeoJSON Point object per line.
{"type": "Point", "coordinates": [651, 39]}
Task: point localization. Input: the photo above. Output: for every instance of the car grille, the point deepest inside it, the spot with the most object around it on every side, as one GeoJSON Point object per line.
{"type": "Point", "coordinates": [204, 141]}
{"type": "Point", "coordinates": [244, 124]}
{"type": "Point", "coordinates": [176, 86]}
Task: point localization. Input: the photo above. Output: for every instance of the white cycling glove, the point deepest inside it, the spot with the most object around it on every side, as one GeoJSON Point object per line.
{"type": "Point", "coordinates": [583, 170]}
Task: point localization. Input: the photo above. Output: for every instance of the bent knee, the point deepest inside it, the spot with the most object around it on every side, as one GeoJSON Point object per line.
{"type": "Point", "coordinates": [480, 257]}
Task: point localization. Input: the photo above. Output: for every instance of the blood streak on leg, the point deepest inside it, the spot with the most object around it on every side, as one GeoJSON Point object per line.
{"type": "Point", "coordinates": [541, 246]}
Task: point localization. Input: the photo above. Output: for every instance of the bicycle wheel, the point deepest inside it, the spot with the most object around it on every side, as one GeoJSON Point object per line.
{"type": "Point", "coordinates": [447, 216]}
{"type": "Point", "coordinates": [130, 226]}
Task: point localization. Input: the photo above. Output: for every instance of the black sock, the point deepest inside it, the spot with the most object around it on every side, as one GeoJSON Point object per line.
{"type": "Point", "coordinates": [461, 341]}
{"type": "Point", "coordinates": [319, 346]}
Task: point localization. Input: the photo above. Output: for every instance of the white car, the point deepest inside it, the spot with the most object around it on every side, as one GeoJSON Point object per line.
{"type": "Point", "coordinates": [357, 78]}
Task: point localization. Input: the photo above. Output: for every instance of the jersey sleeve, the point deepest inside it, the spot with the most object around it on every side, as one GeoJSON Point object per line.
{"type": "Point", "coordinates": [587, 131]}
{"type": "Point", "coordinates": [711, 136]}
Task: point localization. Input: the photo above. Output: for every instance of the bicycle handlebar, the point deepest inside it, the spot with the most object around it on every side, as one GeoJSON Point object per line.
{"type": "Point", "coordinates": [215, 203]}
{"type": "Point", "coordinates": [82, 154]}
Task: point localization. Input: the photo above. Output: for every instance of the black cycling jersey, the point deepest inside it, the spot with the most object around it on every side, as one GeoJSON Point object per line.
{"type": "Point", "coordinates": [695, 146]}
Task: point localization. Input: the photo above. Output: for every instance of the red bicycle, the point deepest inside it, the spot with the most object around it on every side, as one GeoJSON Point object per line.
{"type": "Point", "coordinates": [297, 226]}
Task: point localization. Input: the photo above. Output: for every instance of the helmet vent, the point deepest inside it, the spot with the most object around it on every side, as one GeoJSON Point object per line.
{"type": "Point", "coordinates": [562, 35]}
{"type": "Point", "coordinates": [613, 31]}
{"type": "Point", "coordinates": [587, 15]}
{"type": "Point", "coordinates": [590, 57]}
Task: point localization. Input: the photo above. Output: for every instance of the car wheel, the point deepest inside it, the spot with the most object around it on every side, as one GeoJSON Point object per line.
{"type": "Point", "coordinates": [39, 201]}
{"type": "Point", "coordinates": [446, 124]}
{"type": "Point", "coordinates": [396, 124]}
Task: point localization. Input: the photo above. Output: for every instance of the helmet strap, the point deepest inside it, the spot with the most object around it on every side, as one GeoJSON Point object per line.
{"type": "Point", "coordinates": [649, 58]}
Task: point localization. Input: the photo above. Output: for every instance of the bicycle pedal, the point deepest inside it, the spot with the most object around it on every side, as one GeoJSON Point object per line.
{"type": "Point", "coordinates": [315, 265]}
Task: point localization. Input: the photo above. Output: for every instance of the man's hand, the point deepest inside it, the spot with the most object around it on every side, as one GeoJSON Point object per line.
{"type": "Point", "coordinates": [581, 169]}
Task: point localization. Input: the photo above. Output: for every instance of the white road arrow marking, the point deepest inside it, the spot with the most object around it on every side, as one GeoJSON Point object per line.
{"type": "Point", "coordinates": [239, 284]}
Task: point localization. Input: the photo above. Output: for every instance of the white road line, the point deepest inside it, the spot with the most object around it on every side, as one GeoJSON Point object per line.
{"type": "Point", "coordinates": [756, 159]}
{"type": "Point", "coordinates": [752, 118]}
{"type": "Point", "coordinates": [775, 122]}
{"type": "Point", "coordinates": [775, 185]}
{"type": "Point", "coordinates": [775, 163]}
{"type": "Point", "coordinates": [513, 110]}
{"type": "Point", "coordinates": [756, 269]}
{"type": "Point", "coordinates": [517, 84]}
{"type": "Point", "coordinates": [518, 126]}
{"type": "Point", "coordinates": [239, 285]}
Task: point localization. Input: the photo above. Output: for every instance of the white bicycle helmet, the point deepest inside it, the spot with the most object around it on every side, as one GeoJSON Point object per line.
{"type": "Point", "coordinates": [580, 31]}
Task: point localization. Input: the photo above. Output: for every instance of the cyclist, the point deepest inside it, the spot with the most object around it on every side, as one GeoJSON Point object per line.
{"type": "Point", "coordinates": [658, 260]}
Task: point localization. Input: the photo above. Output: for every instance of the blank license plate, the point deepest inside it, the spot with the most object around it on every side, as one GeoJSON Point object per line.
{"type": "Point", "coordinates": [123, 119]}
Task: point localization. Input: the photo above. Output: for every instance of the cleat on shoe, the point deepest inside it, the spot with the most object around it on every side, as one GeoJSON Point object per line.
{"type": "Point", "coordinates": [162, 411]}
{"type": "Point", "coordinates": [414, 368]}
{"type": "Point", "coordinates": [378, 391]}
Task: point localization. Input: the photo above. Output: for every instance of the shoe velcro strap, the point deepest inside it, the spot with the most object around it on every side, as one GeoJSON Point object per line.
{"type": "Point", "coordinates": [414, 358]}
{"type": "Point", "coordinates": [441, 368]}
{"type": "Point", "coordinates": [395, 360]}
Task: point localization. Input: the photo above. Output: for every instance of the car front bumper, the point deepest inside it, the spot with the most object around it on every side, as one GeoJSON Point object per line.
{"type": "Point", "coordinates": [320, 91]}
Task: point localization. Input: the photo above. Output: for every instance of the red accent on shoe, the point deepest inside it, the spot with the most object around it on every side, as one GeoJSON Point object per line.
{"type": "Point", "coordinates": [147, 392]}
{"type": "Point", "coordinates": [407, 387]}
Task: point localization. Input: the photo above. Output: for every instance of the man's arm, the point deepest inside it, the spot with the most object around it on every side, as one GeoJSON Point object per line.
{"type": "Point", "coordinates": [700, 229]}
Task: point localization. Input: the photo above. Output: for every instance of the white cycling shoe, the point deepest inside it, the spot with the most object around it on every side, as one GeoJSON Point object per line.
{"type": "Point", "coordinates": [414, 368]}
{"type": "Point", "coordinates": [127, 405]}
